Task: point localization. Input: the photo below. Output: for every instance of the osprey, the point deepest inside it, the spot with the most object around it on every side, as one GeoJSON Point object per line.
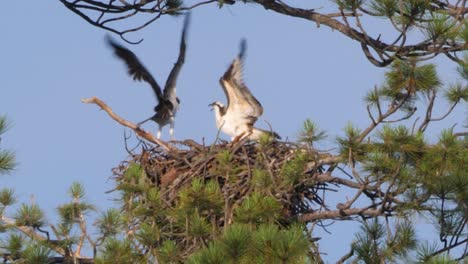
{"type": "Point", "coordinates": [168, 102]}
{"type": "Point", "coordinates": [242, 110]}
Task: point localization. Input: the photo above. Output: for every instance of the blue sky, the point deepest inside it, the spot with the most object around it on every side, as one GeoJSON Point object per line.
{"type": "Point", "coordinates": [50, 59]}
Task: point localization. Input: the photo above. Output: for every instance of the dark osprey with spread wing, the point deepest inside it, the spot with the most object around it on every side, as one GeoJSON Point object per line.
{"type": "Point", "coordinates": [238, 117]}
{"type": "Point", "coordinates": [168, 102]}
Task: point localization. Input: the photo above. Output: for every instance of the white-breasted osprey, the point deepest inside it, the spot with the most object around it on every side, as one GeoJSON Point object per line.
{"type": "Point", "coordinates": [238, 117]}
{"type": "Point", "coordinates": [168, 102]}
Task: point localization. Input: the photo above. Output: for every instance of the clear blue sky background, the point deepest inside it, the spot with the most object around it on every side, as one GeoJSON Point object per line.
{"type": "Point", "coordinates": [50, 59]}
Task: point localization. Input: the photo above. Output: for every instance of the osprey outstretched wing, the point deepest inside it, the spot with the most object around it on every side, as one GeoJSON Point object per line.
{"type": "Point", "coordinates": [240, 99]}
{"type": "Point", "coordinates": [134, 67]}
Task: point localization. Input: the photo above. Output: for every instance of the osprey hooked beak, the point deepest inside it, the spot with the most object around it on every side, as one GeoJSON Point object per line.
{"type": "Point", "coordinates": [212, 105]}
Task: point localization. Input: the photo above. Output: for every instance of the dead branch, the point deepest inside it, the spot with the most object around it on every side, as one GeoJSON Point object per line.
{"type": "Point", "coordinates": [140, 132]}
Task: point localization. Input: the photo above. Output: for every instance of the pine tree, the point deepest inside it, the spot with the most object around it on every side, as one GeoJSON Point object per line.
{"type": "Point", "coordinates": [261, 202]}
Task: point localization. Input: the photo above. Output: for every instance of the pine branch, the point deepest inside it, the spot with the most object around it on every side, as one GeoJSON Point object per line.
{"type": "Point", "coordinates": [30, 233]}
{"type": "Point", "coordinates": [402, 51]}
{"type": "Point", "coordinates": [341, 214]}
{"type": "Point", "coordinates": [346, 257]}
{"type": "Point", "coordinates": [63, 260]}
{"type": "Point", "coordinates": [444, 249]}
{"type": "Point", "coordinates": [390, 111]}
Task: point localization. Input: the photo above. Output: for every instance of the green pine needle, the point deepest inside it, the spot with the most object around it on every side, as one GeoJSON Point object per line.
{"type": "Point", "coordinates": [7, 197]}
{"type": "Point", "coordinates": [7, 158]}
{"type": "Point", "coordinates": [258, 208]}
{"type": "Point", "coordinates": [213, 254]}
{"type": "Point", "coordinates": [404, 240]}
{"type": "Point", "coordinates": [76, 190]}
{"type": "Point", "coordinates": [30, 215]}
{"type": "Point", "coordinates": [372, 97]}
{"type": "Point", "coordinates": [235, 241]}
{"type": "Point", "coordinates": [293, 170]}
{"type": "Point", "coordinates": [280, 246]}
{"type": "Point", "coordinates": [261, 179]}
{"type": "Point", "coordinates": [463, 65]}
{"type": "Point", "coordinates": [119, 251]}
{"type": "Point", "coordinates": [456, 92]}
{"type": "Point", "coordinates": [349, 144]}
{"type": "Point", "coordinates": [154, 197]}
{"type": "Point", "coordinates": [310, 133]}
{"type": "Point", "coordinates": [367, 242]}
{"type": "Point", "coordinates": [134, 172]}
{"type": "Point", "coordinates": [168, 252]}
{"type": "Point", "coordinates": [149, 235]}
{"type": "Point", "coordinates": [263, 240]}
{"type": "Point", "coordinates": [110, 222]}
{"type": "Point", "coordinates": [463, 34]}
{"type": "Point", "coordinates": [198, 226]}
{"type": "Point", "coordinates": [350, 5]}
{"type": "Point", "coordinates": [201, 197]}
{"type": "Point", "coordinates": [406, 77]}
{"type": "Point", "coordinates": [13, 244]}
{"type": "Point", "coordinates": [386, 8]}
{"type": "Point", "coordinates": [72, 212]}
{"type": "Point", "coordinates": [7, 161]}
{"type": "Point", "coordinates": [4, 124]}
{"type": "Point", "coordinates": [291, 245]}
{"type": "Point", "coordinates": [441, 27]}
{"type": "Point", "coordinates": [36, 253]}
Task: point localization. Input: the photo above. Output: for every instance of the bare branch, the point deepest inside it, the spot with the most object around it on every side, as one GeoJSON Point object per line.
{"type": "Point", "coordinates": [407, 116]}
{"type": "Point", "coordinates": [390, 111]}
{"type": "Point", "coordinates": [345, 257]}
{"type": "Point", "coordinates": [140, 132]}
{"type": "Point", "coordinates": [461, 134]}
{"type": "Point", "coordinates": [429, 110]}
{"type": "Point", "coordinates": [444, 249]}
{"type": "Point", "coordinates": [341, 214]}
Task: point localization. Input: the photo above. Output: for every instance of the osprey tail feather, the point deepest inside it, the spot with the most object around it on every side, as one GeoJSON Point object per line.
{"type": "Point", "coordinates": [257, 133]}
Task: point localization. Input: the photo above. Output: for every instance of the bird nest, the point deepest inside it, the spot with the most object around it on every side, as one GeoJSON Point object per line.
{"type": "Point", "coordinates": [290, 173]}
{"type": "Point", "coordinates": [282, 170]}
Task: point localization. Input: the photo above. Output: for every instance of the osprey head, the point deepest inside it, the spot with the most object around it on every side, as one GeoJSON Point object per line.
{"type": "Point", "coordinates": [216, 105]}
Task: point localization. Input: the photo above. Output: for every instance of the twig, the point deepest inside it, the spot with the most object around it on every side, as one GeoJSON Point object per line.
{"type": "Point", "coordinates": [442, 250]}
{"type": "Point", "coordinates": [345, 257]}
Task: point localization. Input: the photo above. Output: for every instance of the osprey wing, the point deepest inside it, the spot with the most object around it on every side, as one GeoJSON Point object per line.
{"type": "Point", "coordinates": [169, 88]}
{"type": "Point", "coordinates": [135, 67]}
{"type": "Point", "coordinates": [240, 99]}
